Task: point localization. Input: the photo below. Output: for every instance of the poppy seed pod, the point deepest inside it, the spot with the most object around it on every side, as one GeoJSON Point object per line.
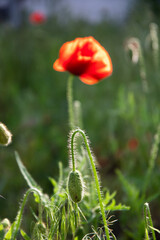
{"type": "Point", "coordinates": [75, 186]}
{"type": "Point", "coordinates": [5, 135]}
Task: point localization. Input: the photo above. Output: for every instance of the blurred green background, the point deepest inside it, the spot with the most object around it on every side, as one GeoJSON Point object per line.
{"type": "Point", "coordinates": [34, 107]}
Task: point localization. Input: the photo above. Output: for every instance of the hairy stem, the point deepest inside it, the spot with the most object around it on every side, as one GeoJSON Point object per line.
{"type": "Point", "coordinates": [94, 172]}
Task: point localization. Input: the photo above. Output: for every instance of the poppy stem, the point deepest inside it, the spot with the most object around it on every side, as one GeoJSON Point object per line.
{"type": "Point", "coordinates": [94, 172]}
{"type": "Point", "coordinates": [70, 101]}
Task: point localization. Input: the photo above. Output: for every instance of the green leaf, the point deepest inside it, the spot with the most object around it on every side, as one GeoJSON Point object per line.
{"type": "Point", "coordinates": [2, 232]}
{"type": "Point", "coordinates": [111, 205]}
{"type": "Point", "coordinates": [1, 227]}
{"type": "Point", "coordinates": [109, 197]}
{"type": "Point", "coordinates": [119, 207]}
{"type": "Point", "coordinates": [30, 181]}
{"type": "Point", "coordinates": [24, 235]}
{"type": "Point", "coordinates": [54, 184]}
{"type": "Point", "coordinates": [8, 235]}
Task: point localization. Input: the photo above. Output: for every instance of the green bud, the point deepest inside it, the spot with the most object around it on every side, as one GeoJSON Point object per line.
{"type": "Point", "coordinates": [75, 186]}
{"type": "Point", "coordinates": [5, 135]}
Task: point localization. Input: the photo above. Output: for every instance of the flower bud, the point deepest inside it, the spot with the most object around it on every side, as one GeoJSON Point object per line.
{"type": "Point", "coordinates": [75, 186]}
{"type": "Point", "coordinates": [5, 135]}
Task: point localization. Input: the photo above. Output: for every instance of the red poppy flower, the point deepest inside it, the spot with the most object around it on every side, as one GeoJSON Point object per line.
{"type": "Point", "coordinates": [86, 58]}
{"type": "Point", "coordinates": [133, 144]}
{"type": "Point", "coordinates": [37, 18]}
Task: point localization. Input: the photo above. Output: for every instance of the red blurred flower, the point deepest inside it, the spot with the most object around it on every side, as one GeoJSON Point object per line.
{"type": "Point", "coordinates": [133, 144]}
{"type": "Point", "coordinates": [37, 18]}
{"type": "Point", "coordinates": [86, 58]}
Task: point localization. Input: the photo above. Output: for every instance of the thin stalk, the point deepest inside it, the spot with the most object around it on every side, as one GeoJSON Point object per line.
{"type": "Point", "coordinates": [76, 214]}
{"type": "Point", "coordinates": [148, 218]}
{"type": "Point", "coordinates": [70, 101]}
{"type": "Point", "coordinates": [72, 151]}
{"type": "Point", "coordinates": [60, 172]}
{"type": "Point", "coordinates": [78, 114]}
{"type": "Point", "coordinates": [94, 172]}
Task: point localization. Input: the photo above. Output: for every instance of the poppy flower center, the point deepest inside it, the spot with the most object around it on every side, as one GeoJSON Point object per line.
{"type": "Point", "coordinates": [82, 58]}
{"type": "Point", "coordinates": [78, 67]}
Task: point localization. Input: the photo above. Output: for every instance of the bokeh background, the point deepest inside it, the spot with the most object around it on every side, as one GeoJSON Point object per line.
{"type": "Point", "coordinates": [119, 118]}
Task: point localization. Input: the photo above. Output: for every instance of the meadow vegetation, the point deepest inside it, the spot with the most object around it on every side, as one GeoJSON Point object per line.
{"type": "Point", "coordinates": [120, 115]}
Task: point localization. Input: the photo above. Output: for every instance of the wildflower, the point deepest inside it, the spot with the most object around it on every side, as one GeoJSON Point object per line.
{"type": "Point", "coordinates": [86, 58]}
{"type": "Point", "coordinates": [133, 144]}
{"type": "Point", "coordinates": [37, 18]}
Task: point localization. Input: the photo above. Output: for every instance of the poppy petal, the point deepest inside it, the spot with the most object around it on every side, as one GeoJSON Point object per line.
{"type": "Point", "coordinates": [97, 70]}
{"type": "Point", "coordinates": [68, 51]}
{"type": "Point", "coordinates": [58, 66]}
{"type": "Point", "coordinates": [88, 79]}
